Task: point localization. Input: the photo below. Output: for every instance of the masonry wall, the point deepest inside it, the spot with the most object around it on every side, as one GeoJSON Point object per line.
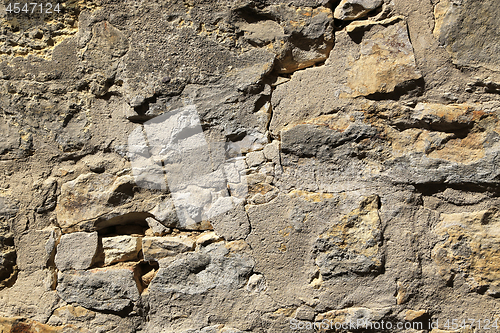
{"type": "Point", "coordinates": [250, 166]}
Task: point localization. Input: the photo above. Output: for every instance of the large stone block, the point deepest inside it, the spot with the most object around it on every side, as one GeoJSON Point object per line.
{"type": "Point", "coordinates": [198, 272]}
{"type": "Point", "coordinates": [354, 245]}
{"type": "Point", "coordinates": [77, 250]}
{"type": "Point", "coordinates": [469, 246]}
{"type": "Point", "coordinates": [101, 289]}
{"type": "Point", "coordinates": [466, 29]}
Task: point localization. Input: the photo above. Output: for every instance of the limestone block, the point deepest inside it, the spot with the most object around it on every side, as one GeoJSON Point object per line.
{"type": "Point", "coordinates": [156, 248]}
{"type": "Point", "coordinates": [120, 248]}
{"type": "Point", "coordinates": [76, 251]}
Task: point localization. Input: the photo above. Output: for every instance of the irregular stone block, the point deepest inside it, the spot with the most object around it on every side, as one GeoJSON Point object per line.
{"type": "Point", "coordinates": [255, 158]}
{"type": "Point", "coordinates": [157, 228]}
{"type": "Point", "coordinates": [354, 245]}
{"type": "Point", "coordinates": [207, 238]}
{"type": "Point", "coordinates": [464, 28]}
{"type": "Point", "coordinates": [76, 250]}
{"type": "Point", "coordinates": [233, 224]}
{"type": "Point", "coordinates": [94, 201]}
{"type": "Point", "coordinates": [32, 250]}
{"type": "Point", "coordinates": [101, 289]}
{"type": "Point", "coordinates": [256, 283]}
{"type": "Point", "coordinates": [197, 272]}
{"type": "Point", "coordinates": [23, 325]}
{"type": "Point", "coordinates": [120, 248]}
{"type": "Point", "coordinates": [302, 37]}
{"type": "Point", "coordinates": [156, 248]}
{"type": "Point", "coordinates": [470, 246]}
{"type": "Point", "coordinates": [353, 315]}
{"type": "Point", "coordinates": [354, 9]}
{"type": "Point", "coordinates": [381, 63]}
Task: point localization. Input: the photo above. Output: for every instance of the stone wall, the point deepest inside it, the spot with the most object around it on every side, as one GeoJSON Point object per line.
{"type": "Point", "coordinates": [249, 166]}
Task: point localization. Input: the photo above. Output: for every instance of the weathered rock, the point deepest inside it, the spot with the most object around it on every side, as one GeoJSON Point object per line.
{"type": "Point", "coordinates": [469, 248]}
{"type": "Point", "coordinates": [21, 324]}
{"type": "Point", "coordinates": [354, 314]}
{"type": "Point", "coordinates": [256, 283]}
{"type": "Point", "coordinates": [76, 251]}
{"type": "Point", "coordinates": [354, 9]}
{"type": "Point", "coordinates": [156, 248]}
{"type": "Point", "coordinates": [412, 315]}
{"type": "Point", "coordinates": [232, 225]}
{"type": "Point", "coordinates": [120, 248]}
{"type": "Point", "coordinates": [464, 29]}
{"type": "Point", "coordinates": [157, 228]}
{"type": "Point", "coordinates": [100, 289]}
{"type": "Point", "coordinates": [207, 238]}
{"type": "Point", "coordinates": [299, 36]}
{"type": "Point", "coordinates": [9, 146]}
{"type": "Point", "coordinates": [198, 272]}
{"type": "Point", "coordinates": [38, 303]}
{"type": "Point", "coordinates": [382, 63]}
{"type": "Point", "coordinates": [78, 87]}
{"type": "Point", "coordinates": [354, 245]}
{"type": "Point", "coordinates": [35, 249]}
{"type": "Point", "coordinates": [7, 249]}
{"type": "Point", "coordinates": [93, 201]}
{"type": "Point", "coordinates": [47, 196]}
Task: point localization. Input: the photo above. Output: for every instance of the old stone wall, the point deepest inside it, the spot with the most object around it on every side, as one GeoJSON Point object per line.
{"type": "Point", "coordinates": [216, 166]}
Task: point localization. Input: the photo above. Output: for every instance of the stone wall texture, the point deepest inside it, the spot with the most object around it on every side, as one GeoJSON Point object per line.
{"type": "Point", "coordinates": [223, 166]}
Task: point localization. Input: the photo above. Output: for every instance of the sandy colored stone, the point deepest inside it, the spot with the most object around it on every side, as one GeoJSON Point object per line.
{"type": "Point", "coordinates": [156, 248]}
{"type": "Point", "coordinates": [464, 29]}
{"type": "Point", "coordinates": [412, 315]}
{"type": "Point", "coordinates": [22, 325]}
{"type": "Point", "coordinates": [93, 200]}
{"type": "Point", "coordinates": [120, 248]}
{"type": "Point", "coordinates": [353, 245]}
{"type": "Point", "coordinates": [383, 63]}
{"type": "Point", "coordinates": [470, 247]}
{"type": "Point", "coordinates": [207, 238]}
{"type": "Point", "coordinates": [353, 315]}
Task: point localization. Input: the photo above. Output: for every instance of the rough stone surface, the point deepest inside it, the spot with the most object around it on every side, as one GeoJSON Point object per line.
{"type": "Point", "coordinates": [354, 9]}
{"type": "Point", "coordinates": [76, 251]}
{"type": "Point", "coordinates": [195, 273]}
{"type": "Point", "coordinates": [120, 248]}
{"type": "Point", "coordinates": [376, 65]}
{"type": "Point", "coordinates": [22, 325]}
{"type": "Point", "coordinates": [470, 248]}
{"type": "Point", "coordinates": [102, 290]}
{"type": "Point", "coordinates": [280, 161]}
{"type": "Point", "coordinates": [354, 244]}
{"type": "Point", "coordinates": [464, 29]}
{"type": "Point", "coordinates": [156, 248]}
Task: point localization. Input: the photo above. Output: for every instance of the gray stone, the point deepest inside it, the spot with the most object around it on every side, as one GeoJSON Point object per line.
{"type": "Point", "coordinates": [354, 9]}
{"type": "Point", "coordinates": [102, 289]}
{"type": "Point", "coordinates": [464, 28]}
{"type": "Point", "coordinates": [233, 224]}
{"type": "Point", "coordinates": [255, 158]}
{"type": "Point", "coordinates": [375, 65]}
{"type": "Point", "coordinates": [77, 250]}
{"type": "Point", "coordinates": [157, 228]}
{"type": "Point", "coordinates": [198, 272]}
